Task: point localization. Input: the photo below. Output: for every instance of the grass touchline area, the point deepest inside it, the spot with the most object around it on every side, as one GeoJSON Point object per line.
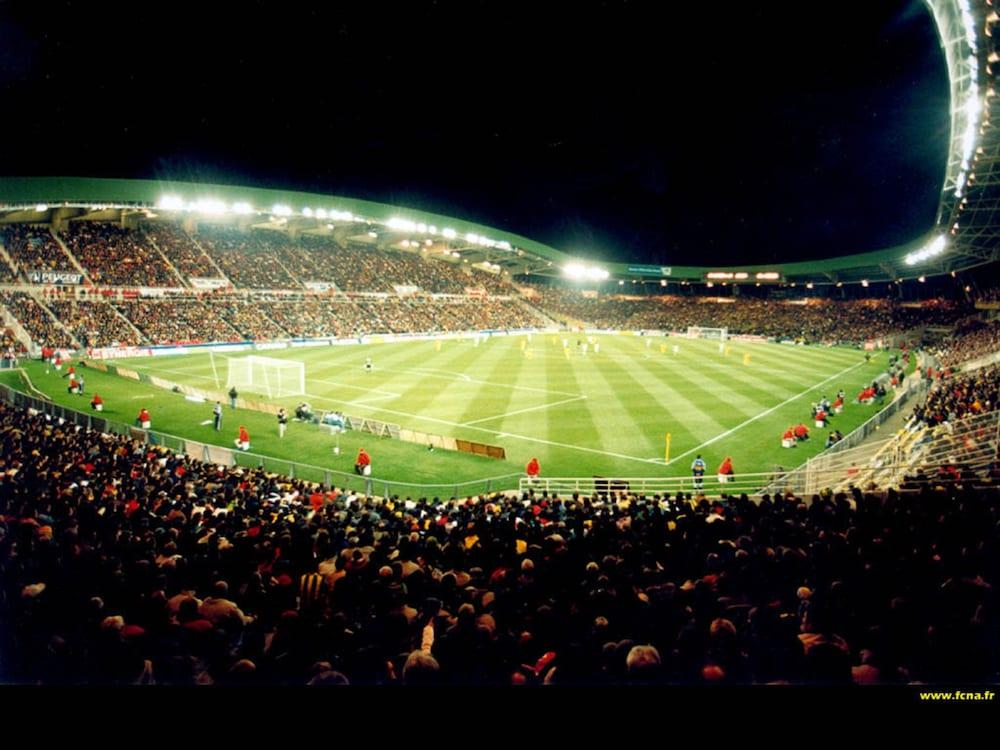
{"type": "Point", "coordinates": [600, 413]}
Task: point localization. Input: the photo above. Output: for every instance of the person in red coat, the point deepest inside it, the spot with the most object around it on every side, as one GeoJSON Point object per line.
{"type": "Point", "coordinates": [533, 469]}
{"type": "Point", "coordinates": [243, 441]}
{"type": "Point", "coordinates": [362, 461]}
{"type": "Point", "coordinates": [97, 403]}
{"type": "Point", "coordinates": [726, 470]}
{"type": "Point", "coordinates": [143, 419]}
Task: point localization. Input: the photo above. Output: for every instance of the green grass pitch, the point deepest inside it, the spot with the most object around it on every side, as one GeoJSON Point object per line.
{"type": "Point", "coordinates": [605, 413]}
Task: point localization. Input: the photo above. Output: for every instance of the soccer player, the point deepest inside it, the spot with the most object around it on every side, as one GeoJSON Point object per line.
{"type": "Point", "coordinates": [217, 415]}
{"type": "Point", "coordinates": [232, 397]}
{"type": "Point", "coordinates": [368, 364]}
{"type": "Point", "coordinates": [698, 471]}
{"type": "Point", "coordinates": [282, 421]}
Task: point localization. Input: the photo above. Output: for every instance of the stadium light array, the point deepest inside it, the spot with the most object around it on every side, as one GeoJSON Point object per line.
{"type": "Point", "coordinates": [404, 225]}
{"type": "Point", "coordinates": [307, 212]}
{"type": "Point", "coordinates": [170, 203]}
{"type": "Point", "coordinates": [578, 271]}
{"type": "Point", "coordinates": [243, 208]}
{"type": "Point", "coordinates": [280, 209]}
{"type": "Point", "coordinates": [864, 282]}
{"type": "Point", "coordinates": [39, 207]}
{"type": "Point", "coordinates": [933, 248]}
{"type": "Point", "coordinates": [210, 206]}
{"type": "Point", "coordinates": [449, 233]}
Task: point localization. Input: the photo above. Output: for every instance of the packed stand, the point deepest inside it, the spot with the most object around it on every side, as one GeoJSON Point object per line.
{"type": "Point", "coordinates": [317, 317]}
{"type": "Point", "coordinates": [177, 321]}
{"type": "Point", "coordinates": [7, 275]}
{"type": "Point", "coordinates": [114, 256]}
{"type": "Point", "coordinates": [248, 317]}
{"type": "Point", "coordinates": [249, 259]}
{"type": "Point", "coordinates": [40, 326]}
{"type": "Point", "coordinates": [395, 315]}
{"type": "Point", "coordinates": [363, 268]}
{"type": "Point", "coordinates": [960, 396]}
{"type": "Point", "coordinates": [181, 250]}
{"type": "Point", "coordinates": [124, 564]}
{"type": "Point", "coordinates": [970, 340]}
{"type": "Point", "coordinates": [35, 249]}
{"type": "Point", "coordinates": [494, 283]}
{"type": "Point", "coordinates": [817, 321]}
{"type": "Point", "coordinates": [95, 324]}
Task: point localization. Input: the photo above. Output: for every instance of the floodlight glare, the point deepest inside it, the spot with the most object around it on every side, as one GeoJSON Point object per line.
{"type": "Point", "coordinates": [933, 248]}
{"type": "Point", "coordinates": [171, 203]}
{"type": "Point", "coordinates": [279, 209]}
{"type": "Point", "coordinates": [211, 206]}
{"type": "Point", "coordinates": [39, 207]}
{"type": "Point", "coordinates": [242, 207]}
{"type": "Point", "coordinates": [308, 212]}
{"type": "Point", "coordinates": [449, 233]}
{"type": "Point", "coordinates": [401, 224]}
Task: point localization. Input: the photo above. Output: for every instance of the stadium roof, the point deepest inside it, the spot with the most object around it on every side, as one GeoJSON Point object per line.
{"type": "Point", "coordinates": [965, 234]}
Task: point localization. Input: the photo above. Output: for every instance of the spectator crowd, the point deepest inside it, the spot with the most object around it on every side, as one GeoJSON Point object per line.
{"type": "Point", "coordinates": [123, 563]}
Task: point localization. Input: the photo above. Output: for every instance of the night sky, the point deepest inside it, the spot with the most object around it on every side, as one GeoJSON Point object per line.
{"type": "Point", "coordinates": [719, 134]}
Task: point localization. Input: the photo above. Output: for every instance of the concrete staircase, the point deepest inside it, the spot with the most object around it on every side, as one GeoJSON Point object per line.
{"type": "Point", "coordinates": [173, 269]}
{"type": "Point", "coordinates": [72, 258]}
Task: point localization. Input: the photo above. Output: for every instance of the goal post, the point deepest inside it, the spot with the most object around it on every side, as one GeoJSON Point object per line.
{"type": "Point", "coordinates": [272, 377]}
{"type": "Point", "coordinates": [702, 332]}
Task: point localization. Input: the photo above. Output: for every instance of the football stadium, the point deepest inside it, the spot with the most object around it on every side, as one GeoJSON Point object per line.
{"type": "Point", "coordinates": [255, 435]}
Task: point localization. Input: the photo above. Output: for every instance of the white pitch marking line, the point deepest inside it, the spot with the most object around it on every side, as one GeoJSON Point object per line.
{"type": "Point", "coordinates": [522, 411]}
{"type": "Point", "coordinates": [430, 371]}
{"type": "Point", "coordinates": [367, 389]}
{"type": "Point", "coordinates": [764, 413]}
{"type": "Point", "coordinates": [484, 429]}
{"type": "Point", "coordinates": [480, 382]}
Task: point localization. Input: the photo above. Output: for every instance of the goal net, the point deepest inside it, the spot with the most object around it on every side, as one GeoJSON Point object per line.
{"type": "Point", "coordinates": [716, 334]}
{"type": "Point", "coordinates": [273, 377]}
